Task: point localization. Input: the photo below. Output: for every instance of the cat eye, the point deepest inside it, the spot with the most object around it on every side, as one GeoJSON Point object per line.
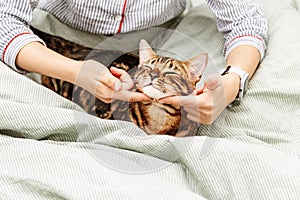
{"type": "Point", "coordinates": [147, 66]}
{"type": "Point", "coordinates": [170, 73]}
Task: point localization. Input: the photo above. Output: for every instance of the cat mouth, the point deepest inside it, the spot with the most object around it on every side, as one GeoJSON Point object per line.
{"type": "Point", "coordinates": [155, 93]}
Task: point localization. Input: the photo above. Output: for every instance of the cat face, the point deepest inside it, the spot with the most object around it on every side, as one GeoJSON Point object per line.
{"type": "Point", "coordinates": [160, 77]}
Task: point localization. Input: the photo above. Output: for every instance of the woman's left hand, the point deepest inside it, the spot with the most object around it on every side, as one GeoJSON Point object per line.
{"type": "Point", "coordinates": [205, 104]}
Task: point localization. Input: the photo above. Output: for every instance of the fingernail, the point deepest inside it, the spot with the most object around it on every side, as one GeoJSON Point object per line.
{"type": "Point", "coordinates": [118, 86]}
{"type": "Point", "coordinates": [161, 101]}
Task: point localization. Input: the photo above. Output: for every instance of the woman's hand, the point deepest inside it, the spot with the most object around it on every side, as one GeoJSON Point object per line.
{"type": "Point", "coordinates": [105, 84]}
{"type": "Point", "coordinates": [205, 104]}
{"type": "Point", "coordinates": [127, 83]}
{"type": "Point", "coordinates": [90, 75]}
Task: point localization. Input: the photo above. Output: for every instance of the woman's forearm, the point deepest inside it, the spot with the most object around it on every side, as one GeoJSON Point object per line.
{"type": "Point", "coordinates": [246, 58]}
{"type": "Point", "coordinates": [35, 57]}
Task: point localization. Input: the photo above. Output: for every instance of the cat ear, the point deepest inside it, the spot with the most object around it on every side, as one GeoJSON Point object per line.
{"type": "Point", "coordinates": [197, 66]}
{"type": "Point", "coordinates": [145, 51]}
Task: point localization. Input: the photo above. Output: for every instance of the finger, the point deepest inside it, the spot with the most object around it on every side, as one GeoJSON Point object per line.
{"type": "Point", "coordinates": [193, 118]}
{"type": "Point", "coordinates": [131, 96]}
{"type": "Point", "coordinates": [112, 82]}
{"type": "Point", "coordinates": [213, 81]}
{"type": "Point", "coordinates": [193, 110]}
{"type": "Point", "coordinates": [198, 91]}
{"type": "Point", "coordinates": [103, 92]}
{"type": "Point", "coordinates": [116, 72]}
{"type": "Point", "coordinates": [120, 74]}
{"type": "Point", "coordinates": [194, 115]}
{"type": "Point", "coordinates": [106, 77]}
{"type": "Point", "coordinates": [215, 93]}
{"type": "Point", "coordinates": [106, 100]}
{"type": "Point", "coordinates": [203, 118]}
{"type": "Point", "coordinates": [123, 76]}
{"type": "Point", "coordinates": [180, 100]}
{"type": "Point", "coordinates": [92, 72]}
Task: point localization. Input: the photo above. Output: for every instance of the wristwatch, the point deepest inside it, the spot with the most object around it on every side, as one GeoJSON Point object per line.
{"type": "Point", "coordinates": [244, 76]}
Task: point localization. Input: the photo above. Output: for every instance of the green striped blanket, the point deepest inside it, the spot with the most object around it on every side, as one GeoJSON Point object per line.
{"type": "Point", "coordinates": [51, 149]}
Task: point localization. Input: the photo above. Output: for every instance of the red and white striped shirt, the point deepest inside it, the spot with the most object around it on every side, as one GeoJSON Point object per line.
{"type": "Point", "coordinates": [241, 21]}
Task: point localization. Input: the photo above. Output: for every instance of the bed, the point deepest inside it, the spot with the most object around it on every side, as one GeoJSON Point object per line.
{"type": "Point", "coordinates": [51, 149]}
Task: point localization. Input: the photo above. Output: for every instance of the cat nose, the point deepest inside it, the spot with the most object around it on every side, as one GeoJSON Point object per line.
{"type": "Point", "coordinates": [154, 75]}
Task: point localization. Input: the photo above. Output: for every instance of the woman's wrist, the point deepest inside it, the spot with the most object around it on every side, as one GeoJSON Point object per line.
{"type": "Point", "coordinates": [231, 83]}
{"type": "Point", "coordinates": [73, 70]}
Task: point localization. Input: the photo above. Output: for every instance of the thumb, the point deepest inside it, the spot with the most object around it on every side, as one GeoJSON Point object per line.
{"type": "Point", "coordinates": [120, 74]}
{"type": "Point", "coordinates": [91, 73]}
{"type": "Point", "coordinates": [116, 72]}
{"type": "Point", "coordinates": [123, 76]}
{"type": "Point", "coordinates": [212, 82]}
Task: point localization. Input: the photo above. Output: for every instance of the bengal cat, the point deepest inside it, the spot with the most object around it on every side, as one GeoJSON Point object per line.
{"type": "Point", "coordinates": [154, 75]}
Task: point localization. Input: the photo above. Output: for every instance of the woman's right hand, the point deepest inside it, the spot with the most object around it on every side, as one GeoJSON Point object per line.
{"type": "Point", "coordinates": [90, 75]}
{"type": "Point", "coordinates": [106, 84]}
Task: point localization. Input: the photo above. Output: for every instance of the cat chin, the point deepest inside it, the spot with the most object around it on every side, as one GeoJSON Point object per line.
{"type": "Point", "coordinates": [154, 93]}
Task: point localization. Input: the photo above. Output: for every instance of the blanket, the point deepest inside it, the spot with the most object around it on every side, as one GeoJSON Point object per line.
{"type": "Point", "coordinates": [52, 149]}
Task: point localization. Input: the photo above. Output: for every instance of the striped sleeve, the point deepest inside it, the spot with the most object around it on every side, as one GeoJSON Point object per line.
{"type": "Point", "coordinates": [242, 22]}
{"type": "Point", "coordinates": [15, 16]}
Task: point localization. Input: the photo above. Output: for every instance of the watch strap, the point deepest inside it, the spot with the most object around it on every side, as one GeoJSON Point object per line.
{"type": "Point", "coordinates": [243, 77]}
